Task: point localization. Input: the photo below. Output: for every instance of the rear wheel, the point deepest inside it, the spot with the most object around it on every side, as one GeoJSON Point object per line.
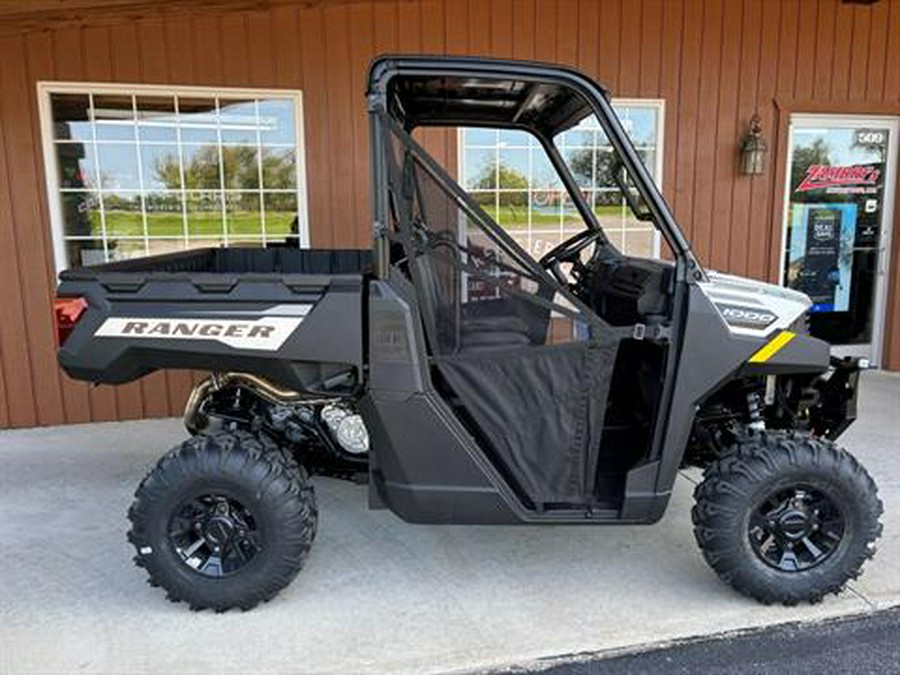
{"type": "Point", "coordinates": [223, 521]}
{"type": "Point", "coordinates": [786, 518]}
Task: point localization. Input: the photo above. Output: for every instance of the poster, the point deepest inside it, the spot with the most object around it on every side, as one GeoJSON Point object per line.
{"type": "Point", "coordinates": [820, 253]}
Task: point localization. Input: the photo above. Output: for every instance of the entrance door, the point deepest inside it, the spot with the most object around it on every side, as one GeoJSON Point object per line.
{"type": "Point", "coordinates": [837, 225]}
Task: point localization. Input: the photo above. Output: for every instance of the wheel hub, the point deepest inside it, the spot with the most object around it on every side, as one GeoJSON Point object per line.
{"type": "Point", "coordinates": [796, 529]}
{"type": "Point", "coordinates": [214, 535]}
{"type": "Point", "coordinates": [218, 531]}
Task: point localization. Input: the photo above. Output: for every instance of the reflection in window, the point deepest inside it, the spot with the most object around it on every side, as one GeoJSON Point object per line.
{"type": "Point", "coordinates": [509, 175]}
{"type": "Point", "coordinates": [144, 173]}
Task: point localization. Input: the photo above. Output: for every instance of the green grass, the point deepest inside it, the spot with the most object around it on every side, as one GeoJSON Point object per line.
{"type": "Point", "coordinates": [516, 217]}
{"type": "Point", "coordinates": [239, 223]}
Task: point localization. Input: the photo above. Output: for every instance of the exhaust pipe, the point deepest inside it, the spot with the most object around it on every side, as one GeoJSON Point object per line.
{"type": "Point", "coordinates": [196, 419]}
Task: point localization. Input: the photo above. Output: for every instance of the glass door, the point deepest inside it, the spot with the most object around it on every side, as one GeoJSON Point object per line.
{"type": "Point", "coordinates": [837, 225]}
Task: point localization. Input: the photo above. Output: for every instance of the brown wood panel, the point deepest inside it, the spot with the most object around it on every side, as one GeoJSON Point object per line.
{"type": "Point", "coordinates": [362, 45]}
{"type": "Point", "coordinates": [315, 115]}
{"type": "Point", "coordinates": [630, 50]}
{"type": "Point", "coordinates": [840, 62]}
{"type": "Point", "coordinates": [588, 16]}
{"type": "Point", "coordinates": [765, 237]}
{"type": "Point", "coordinates": [479, 28]}
{"type": "Point", "coordinates": [823, 64]}
{"type": "Point", "coordinates": [892, 66]}
{"type": "Point", "coordinates": [859, 54]}
{"type": "Point", "coordinates": [501, 29]}
{"type": "Point", "coordinates": [340, 126]}
{"type": "Point", "coordinates": [741, 203]}
{"type": "Point", "coordinates": [567, 32]}
{"type": "Point", "coordinates": [670, 85]}
{"type": "Point", "coordinates": [688, 103]}
{"type": "Point", "coordinates": [714, 62]}
{"type": "Point", "coordinates": [651, 47]}
{"type": "Point", "coordinates": [609, 34]}
{"type": "Point", "coordinates": [234, 49]}
{"type": "Point", "coordinates": [545, 31]}
{"type": "Point", "coordinates": [705, 139]}
{"type": "Point", "coordinates": [39, 57]}
{"type": "Point", "coordinates": [523, 29]}
{"type": "Point", "coordinates": [29, 228]}
{"type": "Point", "coordinates": [878, 53]}
{"type": "Point", "coordinates": [726, 134]}
{"type": "Point", "coordinates": [15, 353]}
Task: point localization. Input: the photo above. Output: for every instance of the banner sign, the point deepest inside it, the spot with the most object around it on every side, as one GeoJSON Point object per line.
{"type": "Point", "coordinates": [820, 255]}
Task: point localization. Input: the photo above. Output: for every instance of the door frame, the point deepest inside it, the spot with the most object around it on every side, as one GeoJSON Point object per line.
{"type": "Point", "coordinates": [837, 116]}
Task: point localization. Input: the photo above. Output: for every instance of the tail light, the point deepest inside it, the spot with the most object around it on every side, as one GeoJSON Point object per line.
{"type": "Point", "coordinates": [66, 313]}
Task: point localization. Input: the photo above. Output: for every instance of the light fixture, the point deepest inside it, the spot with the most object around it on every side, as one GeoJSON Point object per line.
{"type": "Point", "coordinates": [754, 149]}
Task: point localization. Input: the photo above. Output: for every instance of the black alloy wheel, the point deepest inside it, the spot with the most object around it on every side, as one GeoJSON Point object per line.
{"type": "Point", "coordinates": [796, 528]}
{"type": "Point", "coordinates": [215, 535]}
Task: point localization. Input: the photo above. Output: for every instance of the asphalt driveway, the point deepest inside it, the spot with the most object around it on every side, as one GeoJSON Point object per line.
{"type": "Point", "coordinates": [377, 595]}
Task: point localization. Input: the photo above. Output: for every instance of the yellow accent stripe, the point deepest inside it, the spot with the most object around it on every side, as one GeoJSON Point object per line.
{"type": "Point", "coordinates": [775, 345]}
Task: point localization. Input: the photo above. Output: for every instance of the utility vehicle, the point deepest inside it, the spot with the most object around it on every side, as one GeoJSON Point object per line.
{"type": "Point", "coordinates": [465, 380]}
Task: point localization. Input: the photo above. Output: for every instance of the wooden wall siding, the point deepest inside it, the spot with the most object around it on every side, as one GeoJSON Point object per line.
{"type": "Point", "coordinates": [715, 62]}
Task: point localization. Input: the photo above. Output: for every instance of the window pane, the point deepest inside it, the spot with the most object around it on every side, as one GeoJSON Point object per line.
{"type": "Point", "coordinates": [85, 252]}
{"type": "Point", "coordinates": [513, 212]}
{"type": "Point", "coordinates": [639, 243]}
{"type": "Point", "coordinates": [204, 214]}
{"type": "Point", "coordinates": [242, 216]}
{"type": "Point", "coordinates": [481, 137]}
{"type": "Point", "coordinates": [114, 117]}
{"type": "Point", "coordinates": [582, 163]}
{"type": "Point", "coordinates": [160, 246]}
{"type": "Point", "coordinates": [480, 163]}
{"type": "Point", "coordinates": [543, 175]}
{"type": "Point", "coordinates": [640, 124]}
{"type": "Point", "coordinates": [81, 214]}
{"type": "Point", "coordinates": [156, 119]}
{"type": "Point", "coordinates": [513, 169]}
{"type": "Point", "coordinates": [281, 214]}
{"type": "Point", "coordinates": [173, 171]}
{"type": "Point", "coordinates": [201, 167]}
{"type": "Point", "coordinates": [164, 215]}
{"type": "Point", "coordinates": [160, 167]}
{"type": "Point", "coordinates": [279, 169]}
{"type": "Point", "coordinates": [122, 249]}
{"type": "Point", "coordinates": [118, 166]}
{"type": "Point", "coordinates": [197, 120]}
{"type": "Point", "coordinates": [241, 166]}
{"type": "Point", "coordinates": [511, 138]}
{"type": "Point", "coordinates": [76, 164]}
{"type": "Point", "coordinates": [238, 121]}
{"type": "Point", "coordinates": [71, 117]}
{"type": "Point", "coordinates": [123, 213]}
{"type": "Point", "coordinates": [276, 121]}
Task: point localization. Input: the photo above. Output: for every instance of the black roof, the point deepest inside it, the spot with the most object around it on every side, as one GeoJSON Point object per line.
{"type": "Point", "coordinates": [465, 91]}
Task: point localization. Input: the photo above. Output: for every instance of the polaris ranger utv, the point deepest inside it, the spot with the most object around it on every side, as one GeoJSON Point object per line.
{"type": "Point", "coordinates": [465, 381]}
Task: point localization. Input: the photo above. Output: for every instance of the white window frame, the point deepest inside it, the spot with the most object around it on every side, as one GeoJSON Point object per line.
{"type": "Point", "coordinates": [51, 169]}
{"type": "Point", "coordinates": [657, 173]}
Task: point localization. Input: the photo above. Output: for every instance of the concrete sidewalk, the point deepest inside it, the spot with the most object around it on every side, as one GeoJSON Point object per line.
{"type": "Point", "coordinates": [377, 595]}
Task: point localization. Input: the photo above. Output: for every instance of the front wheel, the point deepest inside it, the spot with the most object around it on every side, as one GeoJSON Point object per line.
{"type": "Point", "coordinates": [786, 518]}
{"type": "Point", "coordinates": [223, 521]}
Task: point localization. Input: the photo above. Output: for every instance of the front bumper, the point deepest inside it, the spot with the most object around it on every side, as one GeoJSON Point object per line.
{"type": "Point", "coordinates": [832, 407]}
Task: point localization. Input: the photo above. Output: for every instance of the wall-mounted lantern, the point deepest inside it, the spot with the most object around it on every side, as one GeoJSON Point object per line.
{"type": "Point", "coordinates": [754, 149]}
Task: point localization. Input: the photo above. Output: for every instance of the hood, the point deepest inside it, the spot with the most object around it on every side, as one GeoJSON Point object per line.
{"type": "Point", "coordinates": [752, 307]}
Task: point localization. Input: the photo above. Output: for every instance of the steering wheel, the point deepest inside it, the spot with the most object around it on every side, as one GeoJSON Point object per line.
{"type": "Point", "coordinates": [569, 252]}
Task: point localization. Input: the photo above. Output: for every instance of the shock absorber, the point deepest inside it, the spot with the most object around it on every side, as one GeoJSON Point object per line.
{"type": "Point", "coordinates": [754, 412]}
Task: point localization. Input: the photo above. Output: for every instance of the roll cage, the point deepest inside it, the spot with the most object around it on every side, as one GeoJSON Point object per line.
{"type": "Point", "coordinates": [540, 99]}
